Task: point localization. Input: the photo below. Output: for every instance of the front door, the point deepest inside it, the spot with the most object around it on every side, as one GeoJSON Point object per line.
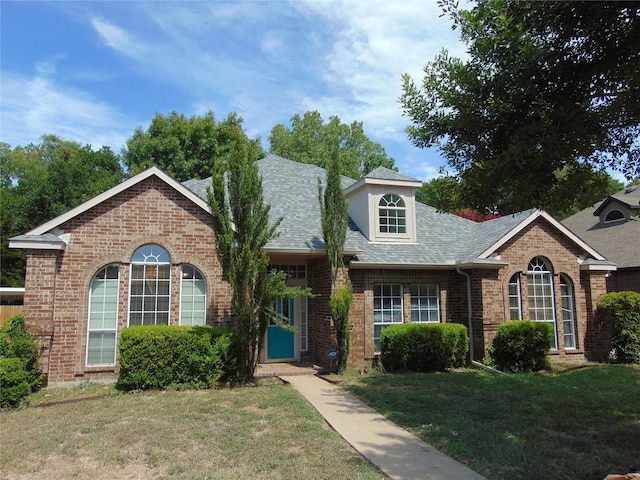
{"type": "Point", "coordinates": [280, 341]}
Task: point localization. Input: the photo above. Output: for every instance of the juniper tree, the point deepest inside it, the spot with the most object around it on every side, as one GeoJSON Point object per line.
{"type": "Point", "coordinates": [242, 228]}
{"type": "Point", "coordinates": [335, 218]}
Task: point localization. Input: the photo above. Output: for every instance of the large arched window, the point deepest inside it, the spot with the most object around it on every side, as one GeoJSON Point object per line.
{"type": "Point", "coordinates": [150, 291]}
{"type": "Point", "coordinates": [392, 214]}
{"type": "Point", "coordinates": [568, 315]}
{"type": "Point", "coordinates": [193, 297]}
{"type": "Point", "coordinates": [103, 316]}
{"type": "Point", "coordinates": [540, 294]}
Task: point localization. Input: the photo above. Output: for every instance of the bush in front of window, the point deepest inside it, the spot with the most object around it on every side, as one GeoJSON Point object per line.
{"type": "Point", "coordinates": [622, 309]}
{"type": "Point", "coordinates": [159, 356]}
{"type": "Point", "coordinates": [423, 347]}
{"type": "Point", "coordinates": [521, 346]}
{"type": "Point", "coordinates": [20, 373]}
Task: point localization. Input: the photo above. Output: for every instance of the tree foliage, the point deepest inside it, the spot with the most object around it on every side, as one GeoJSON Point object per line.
{"type": "Point", "coordinates": [334, 212]}
{"type": "Point", "coordinates": [548, 87]}
{"type": "Point", "coordinates": [310, 140]}
{"type": "Point", "coordinates": [241, 224]}
{"type": "Point", "coordinates": [187, 148]}
{"type": "Point", "coordinates": [40, 182]}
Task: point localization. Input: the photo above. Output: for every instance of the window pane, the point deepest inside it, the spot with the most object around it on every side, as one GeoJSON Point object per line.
{"type": "Point", "coordinates": [103, 316]}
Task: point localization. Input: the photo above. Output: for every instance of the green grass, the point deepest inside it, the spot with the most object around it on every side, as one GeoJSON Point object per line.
{"type": "Point", "coordinates": [264, 432]}
{"type": "Point", "coordinates": [582, 424]}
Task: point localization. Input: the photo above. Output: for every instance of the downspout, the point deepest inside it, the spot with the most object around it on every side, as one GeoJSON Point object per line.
{"type": "Point", "coordinates": [469, 311]}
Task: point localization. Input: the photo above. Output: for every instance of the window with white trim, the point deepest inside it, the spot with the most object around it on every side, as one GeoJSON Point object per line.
{"type": "Point", "coordinates": [150, 287]}
{"type": "Point", "coordinates": [392, 214]}
{"type": "Point", "coordinates": [425, 303]}
{"type": "Point", "coordinates": [193, 296]}
{"type": "Point", "coordinates": [387, 309]}
{"type": "Point", "coordinates": [540, 295]}
{"type": "Point", "coordinates": [515, 300]}
{"type": "Point", "coordinates": [568, 311]}
{"type": "Point", "coordinates": [614, 215]}
{"type": "Point", "coordinates": [103, 316]}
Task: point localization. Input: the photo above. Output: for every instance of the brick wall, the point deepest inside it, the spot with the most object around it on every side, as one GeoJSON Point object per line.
{"type": "Point", "coordinates": [149, 212]}
{"type": "Point", "coordinates": [624, 280]}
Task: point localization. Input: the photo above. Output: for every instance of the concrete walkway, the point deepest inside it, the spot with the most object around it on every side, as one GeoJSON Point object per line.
{"type": "Point", "coordinates": [393, 450]}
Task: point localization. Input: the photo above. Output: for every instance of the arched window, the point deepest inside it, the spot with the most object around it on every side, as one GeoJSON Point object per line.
{"type": "Point", "coordinates": [103, 316]}
{"type": "Point", "coordinates": [540, 294]}
{"type": "Point", "coordinates": [392, 214]}
{"type": "Point", "coordinates": [515, 300]}
{"type": "Point", "coordinates": [568, 316]}
{"type": "Point", "coordinates": [149, 294]}
{"type": "Point", "coordinates": [193, 297]}
{"type": "Point", "coordinates": [614, 216]}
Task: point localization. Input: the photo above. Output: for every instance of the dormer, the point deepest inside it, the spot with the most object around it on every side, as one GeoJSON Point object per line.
{"type": "Point", "coordinates": [620, 207]}
{"type": "Point", "coordinates": [383, 206]}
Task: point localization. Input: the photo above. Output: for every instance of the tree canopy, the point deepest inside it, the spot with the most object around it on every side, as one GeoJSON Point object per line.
{"type": "Point", "coordinates": [40, 182]}
{"type": "Point", "coordinates": [548, 87]}
{"type": "Point", "coordinates": [187, 148]}
{"type": "Point", "coordinates": [310, 140]}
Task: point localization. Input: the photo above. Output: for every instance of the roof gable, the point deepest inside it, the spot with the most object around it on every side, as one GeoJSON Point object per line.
{"type": "Point", "coordinates": [98, 199]}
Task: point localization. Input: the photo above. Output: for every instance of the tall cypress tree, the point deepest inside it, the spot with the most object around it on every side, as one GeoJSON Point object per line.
{"type": "Point", "coordinates": [241, 225]}
{"type": "Point", "coordinates": [335, 218]}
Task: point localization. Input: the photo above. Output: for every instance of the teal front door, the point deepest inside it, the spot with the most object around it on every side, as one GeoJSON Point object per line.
{"type": "Point", "coordinates": [280, 341]}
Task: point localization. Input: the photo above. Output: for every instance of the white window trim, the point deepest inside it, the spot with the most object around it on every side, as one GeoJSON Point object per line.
{"type": "Point", "coordinates": [115, 330]}
{"type": "Point", "coordinates": [543, 274]}
{"type": "Point", "coordinates": [206, 296]}
{"type": "Point", "coordinates": [401, 309]}
{"type": "Point", "coordinates": [566, 280]}
{"type": "Point", "coordinates": [131, 265]}
{"type": "Point", "coordinates": [419, 310]}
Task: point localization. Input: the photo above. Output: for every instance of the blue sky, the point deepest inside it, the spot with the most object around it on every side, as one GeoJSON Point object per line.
{"type": "Point", "coordinates": [93, 71]}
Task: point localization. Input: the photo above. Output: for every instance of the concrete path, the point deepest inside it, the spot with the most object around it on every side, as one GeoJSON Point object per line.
{"type": "Point", "coordinates": [393, 450]}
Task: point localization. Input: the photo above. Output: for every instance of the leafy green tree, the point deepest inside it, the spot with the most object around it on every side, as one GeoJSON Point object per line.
{"type": "Point", "coordinates": [443, 193]}
{"type": "Point", "coordinates": [187, 148]}
{"type": "Point", "coordinates": [548, 87]}
{"type": "Point", "coordinates": [242, 229]}
{"type": "Point", "coordinates": [310, 140]}
{"type": "Point", "coordinates": [334, 212]}
{"type": "Point", "coordinates": [40, 182]}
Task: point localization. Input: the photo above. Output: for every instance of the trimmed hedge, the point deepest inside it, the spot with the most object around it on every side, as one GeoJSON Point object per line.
{"type": "Point", "coordinates": [20, 373]}
{"type": "Point", "coordinates": [424, 347]}
{"type": "Point", "coordinates": [623, 310]}
{"type": "Point", "coordinates": [521, 346]}
{"type": "Point", "coordinates": [158, 356]}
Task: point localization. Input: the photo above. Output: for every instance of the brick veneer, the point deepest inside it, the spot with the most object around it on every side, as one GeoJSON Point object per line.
{"type": "Point", "coordinates": [57, 283]}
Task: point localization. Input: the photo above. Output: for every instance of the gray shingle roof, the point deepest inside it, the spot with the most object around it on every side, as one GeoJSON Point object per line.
{"type": "Point", "coordinates": [442, 239]}
{"type": "Point", "coordinates": [383, 173]}
{"type": "Point", "coordinates": [618, 242]}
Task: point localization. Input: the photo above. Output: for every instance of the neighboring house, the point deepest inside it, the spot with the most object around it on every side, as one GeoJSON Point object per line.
{"type": "Point", "coordinates": [143, 252]}
{"type": "Point", "coordinates": [613, 229]}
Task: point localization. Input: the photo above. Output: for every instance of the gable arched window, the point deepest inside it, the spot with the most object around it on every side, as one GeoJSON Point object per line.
{"type": "Point", "coordinates": [193, 296]}
{"type": "Point", "coordinates": [149, 292]}
{"type": "Point", "coordinates": [614, 216]}
{"type": "Point", "coordinates": [540, 294]}
{"type": "Point", "coordinates": [103, 316]}
{"type": "Point", "coordinates": [392, 214]}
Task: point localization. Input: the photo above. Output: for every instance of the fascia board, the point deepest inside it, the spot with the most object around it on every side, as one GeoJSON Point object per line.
{"type": "Point", "coordinates": [98, 199]}
{"type": "Point", "coordinates": [528, 221]}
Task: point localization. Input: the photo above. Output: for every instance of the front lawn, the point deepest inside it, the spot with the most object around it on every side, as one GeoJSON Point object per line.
{"type": "Point", "coordinates": [264, 432]}
{"type": "Point", "coordinates": [581, 424]}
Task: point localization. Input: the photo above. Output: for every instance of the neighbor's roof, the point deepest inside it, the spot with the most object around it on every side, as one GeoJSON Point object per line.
{"type": "Point", "coordinates": [619, 241]}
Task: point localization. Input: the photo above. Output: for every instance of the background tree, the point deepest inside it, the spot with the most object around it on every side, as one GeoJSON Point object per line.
{"type": "Point", "coordinates": [548, 87]}
{"type": "Point", "coordinates": [40, 182]}
{"type": "Point", "coordinates": [310, 140]}
{"type": "Point", "coordinates": [242, 228]}
{"type": "Point", "coordinates": [334, 212]}
{"type": "Point", "coordinates": [187, 148]}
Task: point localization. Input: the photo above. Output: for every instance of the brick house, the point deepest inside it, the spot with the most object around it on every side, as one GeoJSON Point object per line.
{"type": "Point", "coordinates": [143, 252]}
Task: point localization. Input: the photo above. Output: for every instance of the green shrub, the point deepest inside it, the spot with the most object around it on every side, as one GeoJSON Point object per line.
{"type": "Point", "coordinates": [160, 356]}
{"type": "Point", "coordinates": [623, 310]}
{"type": "Point", "coordinates": [19, 370]}
{"type": "Point", "coordinates": [423, 347]}
{"type": "Point", "coordinates": [521, 346]}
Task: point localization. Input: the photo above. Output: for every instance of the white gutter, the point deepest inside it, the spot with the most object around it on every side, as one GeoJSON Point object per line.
{"type": "Point", "coordinates": [469, 310]}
